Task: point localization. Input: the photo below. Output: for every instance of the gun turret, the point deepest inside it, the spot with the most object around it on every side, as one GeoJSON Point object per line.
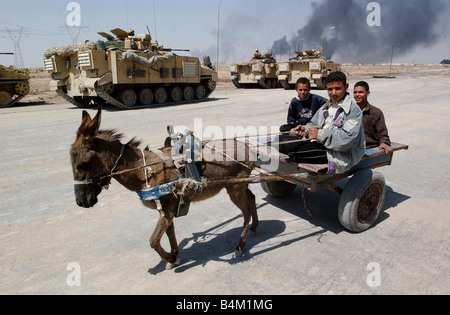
{"type": "Point", "coordinates": [173, 49]}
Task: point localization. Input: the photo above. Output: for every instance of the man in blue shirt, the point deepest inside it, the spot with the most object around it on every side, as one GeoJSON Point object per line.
{"type": "Point", "coordinates": [303, 107]}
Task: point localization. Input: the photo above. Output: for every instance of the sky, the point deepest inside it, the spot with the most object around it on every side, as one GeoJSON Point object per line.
{"type": "Point", "coordinates": [245, 25]}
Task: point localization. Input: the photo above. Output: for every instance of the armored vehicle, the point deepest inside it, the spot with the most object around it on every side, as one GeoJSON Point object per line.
{"type": "Point", "coordinates": [260, 71]}
{"type": "Point", "coordinates": [14, 85]}
{"type": "Point", "coordinates": [309, 64]}
{"type": "Point", "coordinates": [128, 72]}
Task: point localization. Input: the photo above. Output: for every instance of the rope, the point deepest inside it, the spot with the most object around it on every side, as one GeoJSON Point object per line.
{"type": "Point", "coordinates": [205, 144]}
{"type": "Point", "coordinates": [260, 173]}
{"type": "Point", "coordinates": [190, 186]}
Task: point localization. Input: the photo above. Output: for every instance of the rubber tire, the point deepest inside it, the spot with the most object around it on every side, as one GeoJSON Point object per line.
{"type": "Point", "coordinates": [160, 96]}
{"type": "Point", "coordinates": [200, 92]}
{"type": "Point", "coordinates": [357, 189]}
{"type": "Point", "coordinates": [176, 94]}
{"type": "Point", "coordinates": [278, 189]}
{"type": "Point", "coordinates": [145, 96]}
{"type": "Point", "coordinates": [5, 98]}
{"type": "Point", "coordinates": [188, 93]}
{"type": "Point", "coordinates": [128, 97]}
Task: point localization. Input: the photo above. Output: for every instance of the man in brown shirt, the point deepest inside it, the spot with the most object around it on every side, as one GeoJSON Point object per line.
{"type": "Point", "coordinates": [375, 129]}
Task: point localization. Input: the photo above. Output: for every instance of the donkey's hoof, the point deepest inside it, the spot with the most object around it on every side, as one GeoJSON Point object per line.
{"type": "Point", "coordinates": [170, 266]}
{"type": "Point", "coordinates": [238, 254]}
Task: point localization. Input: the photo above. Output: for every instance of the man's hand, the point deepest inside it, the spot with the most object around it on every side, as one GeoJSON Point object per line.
{"type": "Point", "coordinates": [386, 148]}
{"type": "Point", "coordinates": [299, 131]}
{"type": "Point", "coordinates": [313, 133]}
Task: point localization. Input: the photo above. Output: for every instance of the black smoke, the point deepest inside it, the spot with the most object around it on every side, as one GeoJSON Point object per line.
{"type": "Point", "coordinates": [341, 28]}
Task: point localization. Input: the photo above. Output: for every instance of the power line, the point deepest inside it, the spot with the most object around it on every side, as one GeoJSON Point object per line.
{"type": "Point", "coordinates": [16, 36]}
{"type": "Point", "coordinates": [73, 31]}
{"type": "Point", "coordinates": [32, 31]}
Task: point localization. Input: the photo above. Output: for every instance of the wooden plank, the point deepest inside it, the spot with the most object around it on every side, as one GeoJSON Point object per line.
{"type": "Point", "coordinates": [372, 159]}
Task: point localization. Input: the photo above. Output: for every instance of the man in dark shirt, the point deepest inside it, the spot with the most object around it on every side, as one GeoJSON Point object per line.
{"type": "Point", "coordinates": [375, 130]}
{"type": "Point", "coordinates": [303, 107]}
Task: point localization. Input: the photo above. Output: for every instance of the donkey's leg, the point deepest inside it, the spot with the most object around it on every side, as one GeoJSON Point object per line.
{"type": "Point", "coordinates": [155, 240]}
{"type": "Point", "coordinates": [172, 239]}
{"type": "Point", "coordinates": [238, 196]}
{"type": "Point", "coordinates": [251, 202]}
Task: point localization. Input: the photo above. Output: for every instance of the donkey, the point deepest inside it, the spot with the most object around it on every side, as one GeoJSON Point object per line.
{"type": "Point", "coordinates": [98, 155]}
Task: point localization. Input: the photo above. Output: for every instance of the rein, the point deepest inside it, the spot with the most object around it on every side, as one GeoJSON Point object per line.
{"type": "Point", "coordinates": [183, 184]}
{"type": "Point", "coordinates": [91, 181]}
{"type": "Point", "coordinates": [147, 167]}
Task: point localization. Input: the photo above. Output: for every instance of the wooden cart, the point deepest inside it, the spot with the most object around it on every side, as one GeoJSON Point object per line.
{"type": "Point", "coordinates": [362, 198]}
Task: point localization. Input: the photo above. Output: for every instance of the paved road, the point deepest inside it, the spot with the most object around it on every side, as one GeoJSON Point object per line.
{"type": "Point", "coordinates": [46, 239]}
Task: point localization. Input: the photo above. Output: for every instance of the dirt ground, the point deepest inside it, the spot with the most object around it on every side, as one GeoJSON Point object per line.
{"type": "Point", "coordinates": [51, 246]}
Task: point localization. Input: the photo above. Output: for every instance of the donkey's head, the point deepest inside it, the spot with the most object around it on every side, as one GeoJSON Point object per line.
{"type": "Point", "coordinates": [89, 169]}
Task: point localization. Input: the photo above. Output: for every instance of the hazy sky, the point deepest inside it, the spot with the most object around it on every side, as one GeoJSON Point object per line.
{"type": "Point", "coordinates": [245, 26]}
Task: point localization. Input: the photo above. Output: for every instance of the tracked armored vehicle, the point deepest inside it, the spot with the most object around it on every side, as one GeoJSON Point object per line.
{"type": "Point", "coordinates": [259, 72]}
{"type": "Point", "coordinates": [128, 72]}
{"type": "Point", "coordinates": [14, 85]}
{"type": "Point", "coordinates": [309, 64]}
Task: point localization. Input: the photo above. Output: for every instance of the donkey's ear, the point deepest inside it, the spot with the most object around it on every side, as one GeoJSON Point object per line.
{"type": "Point", "coordinates": [95, 123]}
{"type": "Point", "coordinates": [85, 120]}
{"type": "Point", "coordinates": [89, 127]}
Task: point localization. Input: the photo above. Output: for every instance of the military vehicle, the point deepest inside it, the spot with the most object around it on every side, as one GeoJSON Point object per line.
{"type": "Point", "coordinates": [128, 72]}
{"type": "Point", "coordinates": [260, 71]}
{"type": "Point", "coordinates": [309, 64]}
{"type": "Point", "coordinates": [14, 85]}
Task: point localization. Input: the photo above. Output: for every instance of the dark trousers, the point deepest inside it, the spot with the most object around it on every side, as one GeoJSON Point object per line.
{"type": "Point", "coordinates": [310, 152]}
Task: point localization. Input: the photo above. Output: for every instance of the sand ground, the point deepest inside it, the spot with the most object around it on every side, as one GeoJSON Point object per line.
{"type": "Point", "coordinates": [43, 233]}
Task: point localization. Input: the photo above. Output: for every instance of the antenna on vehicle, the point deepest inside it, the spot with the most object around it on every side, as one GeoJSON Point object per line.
{"type": "Point", "coordinates": [154, 20]}
{"type": "Point", "coordinates": [126, 12]}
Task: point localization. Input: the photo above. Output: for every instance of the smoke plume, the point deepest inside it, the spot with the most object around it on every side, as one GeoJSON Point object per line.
{"type": "Point", "coordinates": [341, 28]}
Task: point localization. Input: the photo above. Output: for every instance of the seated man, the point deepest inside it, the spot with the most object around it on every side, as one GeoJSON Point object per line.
{"type": "Point", "coordinates": [375, 130]}
{"type": "Point", "coordinates": [335, 133]}
{"type": "Point", "coordinates": [303, 107]}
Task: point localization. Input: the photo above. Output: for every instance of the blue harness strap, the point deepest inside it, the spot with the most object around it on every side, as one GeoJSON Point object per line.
{"type": "Point", "coordinates": [191, 173]}
{"type": "Point", "coordinates": [158, 191]}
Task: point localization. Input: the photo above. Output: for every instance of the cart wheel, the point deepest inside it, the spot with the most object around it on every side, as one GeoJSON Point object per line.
{"type": "Point", "coordinates": [278, 189]}
{"type": "Point", "coordinates": [362, 200]}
